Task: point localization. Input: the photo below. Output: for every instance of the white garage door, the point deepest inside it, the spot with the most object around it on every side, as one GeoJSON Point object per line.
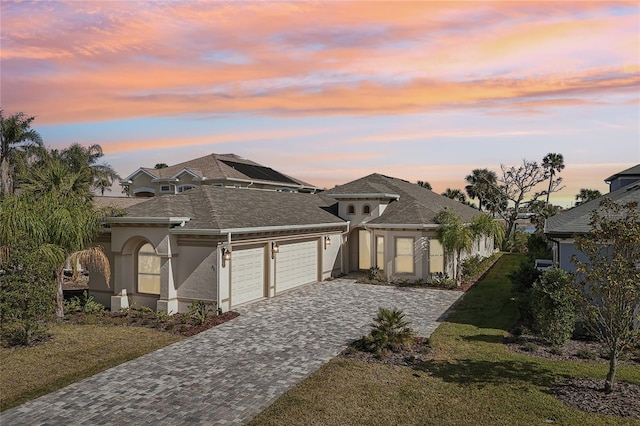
{"type": "Point", "coordinates": [296, 264]}
{"type": "Point", "coordinates": [247, 275]}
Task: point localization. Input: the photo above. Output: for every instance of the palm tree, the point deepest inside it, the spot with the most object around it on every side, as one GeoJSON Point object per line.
{"type": "Point", "coordinates": [16, 140]}
{"type": "Point", "coordinates": [485, 225]}
{"type": "Point", "coordinates": [54, 212]}
{"type": "Point", "coordinates": [78, 157]}
{"type": "Point", "coordinates": [553, 163]}
{"type": "Point", "coordinates": [586, 194]}
{"type": "Point", "coordinates": [482, 184]}
{"type": "Point", "coordinates": [455, 194]}
{"type": "Point", "coordinates": [455, 237]}
{"type": "Point", "coordinates": [424, 184]}
{"type": "Point", "coordinates": [160, 166]}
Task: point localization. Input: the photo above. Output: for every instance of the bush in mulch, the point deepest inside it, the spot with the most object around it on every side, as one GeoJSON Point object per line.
{"type": "Point", "coordinates": [589, 395]}
{"type": "Point", "coordinates": [408, 356]}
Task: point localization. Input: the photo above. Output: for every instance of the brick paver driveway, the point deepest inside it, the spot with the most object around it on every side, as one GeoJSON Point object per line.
{"type": "Point", "coordinates": [231, 373]}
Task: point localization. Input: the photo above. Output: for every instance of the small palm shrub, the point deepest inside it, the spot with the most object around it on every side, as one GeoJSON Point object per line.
{"type": "Point", "coordinates": [442, 280]}
{"type": "Point", "coordinates": [389, 331]}
{"type": "Point", "coordinates": [199, 311]}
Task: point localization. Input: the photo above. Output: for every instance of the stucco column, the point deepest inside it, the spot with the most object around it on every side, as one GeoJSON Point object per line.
{"type": "Point", "coordinates": [168, 302]}
{"type": "Point", "coordinates": [123, 280]}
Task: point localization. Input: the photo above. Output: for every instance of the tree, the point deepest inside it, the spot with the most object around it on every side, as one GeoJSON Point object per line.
{"type": "Point", "coordinates": [553, 306]}
{"type": "Point", "coordinates": [553, 163]}
{"type": "Point", "coordinates": [424, 184]}
{"type": "Point", "coordinates": [455, 194]}
{"type": "Point", "coordinates": [482, 185]}
{"type": "Point", "coordinates": [586, 194]}
{"type": "Point", "coordinates": [455, 237]}
{"type": "Point", "coordinates": [77, 157]}
{"type": "Point", "coordinates": [485, 225]}
{"type": "Point", "coordinates": [608, 281]}
{"type": "Point", "coordinates": [55, 211]}
{"type": "Point", "coordinates": [16, 140]}
{"type": "Point", "coordinates": [515, 183]}
{"type": "Point", "coordinates": [161, 166]}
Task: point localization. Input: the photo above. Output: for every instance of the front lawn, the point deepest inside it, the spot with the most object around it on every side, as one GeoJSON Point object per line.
{"type": "Point", "coordinates": [73, 353]}
{"type": "Point", "coordinates": [471, 378]}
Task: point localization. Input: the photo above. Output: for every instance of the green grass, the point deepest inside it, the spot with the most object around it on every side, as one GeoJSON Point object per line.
{"type": "Point", "coordinates": [74, 353]}
{"type": "Point", "coordinates": [473, 379]}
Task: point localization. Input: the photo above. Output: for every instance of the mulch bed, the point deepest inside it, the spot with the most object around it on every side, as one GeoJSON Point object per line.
{"type": "Point", "coordinates": [411, 356]}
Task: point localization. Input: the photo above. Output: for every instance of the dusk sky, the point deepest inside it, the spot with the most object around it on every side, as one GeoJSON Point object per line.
{"type": "Point", "coordinates": [331, 91]}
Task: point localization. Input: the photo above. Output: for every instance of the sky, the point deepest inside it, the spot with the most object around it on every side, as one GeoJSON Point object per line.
{"type": "Point", "coordinates": [329, 92]}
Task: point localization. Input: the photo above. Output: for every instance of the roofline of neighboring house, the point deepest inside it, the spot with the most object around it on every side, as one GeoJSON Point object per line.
{"type": "Point", "coordinates": [258, 229]}
{"type": "Point", "coordinates": [140, 169]}
{"type": "Point", "coordinates": [250, 181]}
{"type": "Point", "coordinates": [358, 196]}
{"type": "Point", "coordinates": [401, 225]}
{"type": "Point", "coordinates": [150, 220]}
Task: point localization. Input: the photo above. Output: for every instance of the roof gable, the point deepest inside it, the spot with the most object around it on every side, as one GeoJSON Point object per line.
{"type": "Point", "coordinates": [630, 172]}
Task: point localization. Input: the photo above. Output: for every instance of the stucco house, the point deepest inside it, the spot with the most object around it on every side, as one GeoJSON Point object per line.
{"type": "Point", "coordinates": [562, 228]}
{"type": "Point", "coordinates": [232, 246]}
{"type": "Point", "coordinates": [228, 170]}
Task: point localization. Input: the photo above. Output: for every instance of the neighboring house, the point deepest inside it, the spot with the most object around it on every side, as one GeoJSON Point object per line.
{"type": "Point", "coordinates": [562, 228]}
{"type": "Point", "coordinates": [233, 246]}
{"type": "Point", "coordinates": [228, 170]}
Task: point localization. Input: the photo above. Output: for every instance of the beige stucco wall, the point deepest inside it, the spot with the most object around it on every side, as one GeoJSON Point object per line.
{"type": "Point", "coordinates": [197, 274]}
{"type": "Point", "coordinates": [331, 256]}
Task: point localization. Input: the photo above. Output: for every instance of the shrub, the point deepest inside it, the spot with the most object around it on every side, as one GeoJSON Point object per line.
{"type": "Point", "coordinates": [373, 273]}
{"type": "Point", "coordinates": [538, 246]}
{"type": "Point", "coordinates": [442, 280]}
{"type": "Point", "coordinates": [389, 331]}
{"type": "Point", "coordinates": [86, 304]}
{"type": "Point", "coordinates": [199, 311]}
{"type": "Point", "coordinates": [529, 347]}
{"type": "Point", "coordinates": [471, 266]}
{"type": "Point", "coordinates": [522, 280]}
{"type": "Point", "coordinates": [553, 307]}
{"type": "Point", "coordinates": [586, 354]}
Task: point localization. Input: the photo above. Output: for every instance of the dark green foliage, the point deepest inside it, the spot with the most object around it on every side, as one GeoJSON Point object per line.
{"type": "Point", "coordinates": [522, 280]}
{"type": "Point", "coordinates": [538, 246]}
{"type": "Point", "coordinates": [587, 354]}
{"type": "Point", "coordinates": [389, 331]}
{"type": "Point", "coordinates": [27, 295]}
{"type": "Point", "coordinates": [552, 306]}
{"type": "Point", "coordinates": [84, 303]}
{"type": "Point", "coordinates": [441, 279]}
{"type": "Point", "coordinates": [471, 266]}
{"type": "Point", "coordinates": [372, 273]}
{"type": "Point", "coordinates": [199, 311]}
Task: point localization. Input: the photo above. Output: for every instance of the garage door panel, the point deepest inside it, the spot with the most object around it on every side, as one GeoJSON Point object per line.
{"type": "Point", "coordinates": [247, 275]}
{"type": "Point", "coordinates": [296, 265]}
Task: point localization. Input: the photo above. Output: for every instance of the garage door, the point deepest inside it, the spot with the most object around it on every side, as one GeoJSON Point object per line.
{"type": "Point", "coordinates": [296, 264]}
{"type": "Point", "coordinates": [247, 275]}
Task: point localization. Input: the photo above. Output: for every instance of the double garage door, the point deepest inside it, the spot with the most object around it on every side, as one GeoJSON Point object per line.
{"type": "Point", "coordinates": [296, 264]}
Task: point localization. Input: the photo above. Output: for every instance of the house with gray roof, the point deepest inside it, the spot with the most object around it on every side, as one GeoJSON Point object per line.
{"type": "Point", "coordinates": [228, 170]}
{"type": "Point", "coordinates": [562, 228]}
{"type": "Point", "coordinates": [231, 246]}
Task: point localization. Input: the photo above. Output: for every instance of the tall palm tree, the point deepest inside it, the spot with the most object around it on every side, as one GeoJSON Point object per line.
{"type": "Point", "coordinates": [17, 138]}
{"type": "Point", "coordinates": [455, 194]}
{"type": "Point", "coordinates": [54, 212]}
{"type": "Point", "coordinates": [424, 184]}
{"type": "Point", "coordinates": [455, 237]}
{"type": "Point", "coordinates": [78, 157]}
{"type": "Point", "coordinates": [553, 163]}
{"type": "Point", "coordinates": [482, 184]}
{"type": "Point", "coordinates": [586, 194]}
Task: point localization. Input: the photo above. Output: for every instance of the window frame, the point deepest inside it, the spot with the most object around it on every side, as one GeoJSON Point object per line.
{"type": "Point", "coordinates": [366, 209]}
{"type": "Point", "coordinates": [398, 257]}
{"type": "Point", "coordinates": [380, 261]}
{"type": "Point", "coordinates": [351, 209]}
{"type": "Point", "coordinates": [146, 273]}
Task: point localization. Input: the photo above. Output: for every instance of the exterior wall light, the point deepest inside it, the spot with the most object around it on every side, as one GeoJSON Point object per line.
{"type": "Point", "coordinates": [274, 249]}
{"type": "Point", "coordinates": [327, 241]}
{"type": "Point", "coordinates": [226, 255]}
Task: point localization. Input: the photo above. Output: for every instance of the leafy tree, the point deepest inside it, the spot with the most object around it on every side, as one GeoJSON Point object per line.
{"type": "Point", "coordinates": [17, 138]}
{"type": "Point", "coordinates": [515, 183]}
{"type": "Point", "coordinates": [455, 237]}
{"type": "Point", "coordinates": [586, 194]}
{"type": "Point", "coordinates": [161, 166]}
{"type": "Point", "coordinates": [553, 306]}
{"type": "Point", "coordinates": [541, 212]}
{"type": "Point", "coordinates": [54, 210]}
{"type": "Point", "coordinates": [553, 163]}
{"type": "Point", "coordinates": [608, 282]}
{"type": "Point", "coordinates": [482, 184]}
{"type": "Point", "coordinates": [455, 194]}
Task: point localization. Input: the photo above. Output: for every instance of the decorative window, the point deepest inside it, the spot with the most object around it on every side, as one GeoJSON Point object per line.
{"type": "Point", "coordinates": [366, 209]}
{"type": "Point", "coordinates": [404, 255]}
{"type": "Point", "coordinates": [351, 209]}
{"type": "Point", "coordinates": [165, 188]}
{"type": "Point", "coordinates": [148, 270]}
{"type": "Point", "coordinates": [380, 253]}
{"type": "Point", "coordinates": [364, 249]}
{"type": "Point", "coordinates": [183, 188]}
{"type": "Point", "coordinates": [436, 256]}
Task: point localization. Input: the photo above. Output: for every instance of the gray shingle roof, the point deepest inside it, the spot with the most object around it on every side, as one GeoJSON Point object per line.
{"type": "Point", "coordinates": [417, 205]}
{"type": "Point", "coordinates": [631, 171]}
{"type": "Point", "coordinates": [117, 202]}
{"type": "Point", "coordinates": [576, 220]}
{"type": "Point", "coordinates": [212, 207]}
{"type": "Point", "coordinates": [212, 166]}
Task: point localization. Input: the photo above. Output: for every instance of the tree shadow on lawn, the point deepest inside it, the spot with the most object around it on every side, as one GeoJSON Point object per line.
{"type": "Point", "coordinates": [487, 338]}
{"type": "Point", "coordinates": [481, 372]}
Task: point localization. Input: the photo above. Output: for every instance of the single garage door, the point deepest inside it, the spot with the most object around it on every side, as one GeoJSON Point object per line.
{"type": "Point", "coordinates": [247, 275]}
{"type": "Point", "coordinates": [296, 264]}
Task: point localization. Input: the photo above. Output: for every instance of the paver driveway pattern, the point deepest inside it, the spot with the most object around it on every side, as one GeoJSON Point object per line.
{"type": "Point", "coordinates": [229, 374]}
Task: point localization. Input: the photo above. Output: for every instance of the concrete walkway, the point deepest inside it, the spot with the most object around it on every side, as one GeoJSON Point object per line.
{"type": "Point", "coordinates": [229, 374]}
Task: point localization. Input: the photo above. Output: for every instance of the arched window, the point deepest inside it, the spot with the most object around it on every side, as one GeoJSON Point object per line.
{"type": "Point", "coordinates": [148, 270]}
{"type": "Point", "coordinates": [351, 209]}
{"type": "Point", "coordinates": [366, 209]}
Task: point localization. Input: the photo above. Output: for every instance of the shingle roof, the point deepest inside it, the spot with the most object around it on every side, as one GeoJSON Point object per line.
{"type": "Point", "coordinates": [212, 207]}
{"type": "Point", "coordinates": [218, 166]}
{"type": "Point", "coordinates": [576, 220]}
{"type": "Point", "coordinates": [416, 205]}
{"type": "Point", "coordinates": [117, 202]}
{"type": "Point", "coordinates": [631, 171]}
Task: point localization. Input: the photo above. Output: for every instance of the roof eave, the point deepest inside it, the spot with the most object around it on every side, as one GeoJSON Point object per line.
{"type": "Point", "coordinates": [259, 229]}
{"type": "Point", "coordinates": [365, 196]}
{"type": "Point", "coordinates": [149, 220]}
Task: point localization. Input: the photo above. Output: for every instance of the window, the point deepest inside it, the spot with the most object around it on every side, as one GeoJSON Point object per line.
{"type": "Point", "coordinates": [404, 255]}
{"type": "Point", "coordinates": [364, 249]}
{"type": "Point", "coordinates": [351, 209]}
{"type": "Point", "coordinates": [436, 257]}
{"type": "Point", "coordinates": [148, 270]}
{"type": "Point", "coordinates": [366, 209]}
{"type": "Point", "coordinates": [165, 188]}
{"type": "Point", "coordinates": [380, 253]}
{"type": "Point", "coordinates": [183, 188]}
